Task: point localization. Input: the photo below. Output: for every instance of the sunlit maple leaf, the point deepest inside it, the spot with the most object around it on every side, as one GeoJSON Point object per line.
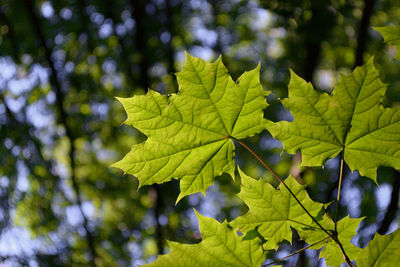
{"type": "Point", "coordinates": [190, 133]}
{"type": "Point", "coordinates": [351, 120]}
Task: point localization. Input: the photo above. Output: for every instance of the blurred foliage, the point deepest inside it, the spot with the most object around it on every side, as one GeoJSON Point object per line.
{"type": "Point", "coordinates": [63, 62]}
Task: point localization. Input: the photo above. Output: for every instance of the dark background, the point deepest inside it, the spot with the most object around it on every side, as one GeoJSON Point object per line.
{"type": "Point", "coordinates": [63, 62]}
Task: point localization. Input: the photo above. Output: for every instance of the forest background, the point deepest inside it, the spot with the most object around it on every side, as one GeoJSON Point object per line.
{"type": "Point", "coordinates": [63, 62]}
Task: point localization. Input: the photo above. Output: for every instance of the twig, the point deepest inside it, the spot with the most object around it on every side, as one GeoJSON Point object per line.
{"type": "Point", "coordinates": [296, 252]}
{"type": "Point", "coordinates": [339, 187]}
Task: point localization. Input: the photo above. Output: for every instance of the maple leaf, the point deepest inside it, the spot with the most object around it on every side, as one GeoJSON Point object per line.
{"type": "Point", "coordinates": [383, 250]}
{"type": "Point", "coordinates": [391, 35]}
{"type": "Point", "coordinates": [221, 246]}
{"type": "Point", "coordinates": [352, 120]}
{"type": "Point", "coordinates": [272, 211]}
{"type": "Point", "coordinates": [189, 133]}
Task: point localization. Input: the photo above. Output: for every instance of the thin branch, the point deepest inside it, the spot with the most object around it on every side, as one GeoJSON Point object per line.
{"type": "Point", "coordinates": [333, 236]}
{"type": "Point", "coordinates": [339, 187]}
{"type": "Point", "coordinates": [297, 252]}
{"type": "Point", "coordinates": [63, 118]}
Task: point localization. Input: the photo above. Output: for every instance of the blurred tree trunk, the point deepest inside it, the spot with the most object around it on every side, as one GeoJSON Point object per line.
{"type": "Point", "coordinates": [139, 13]}
{"type": "Point", "coordinates": [393, 206]}
{"type": "Point", "coordinates": [56, 86]}
{"type": "Point", "coordinates": [170, 52]}
{"type": "Point", "coordinates": [141, 41]}
{"type": "Point", "coordinates": [363, 32]}
{"type": "Point", "coordinates": [317, 30]}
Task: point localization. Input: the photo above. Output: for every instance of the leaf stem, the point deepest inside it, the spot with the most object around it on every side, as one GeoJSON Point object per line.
{"type": "Point", "coordinates": [296, 252]}
{"type": "Point", "coordinates": [332, 236]}
{"type": "Point", "coordinates": [339, 188]}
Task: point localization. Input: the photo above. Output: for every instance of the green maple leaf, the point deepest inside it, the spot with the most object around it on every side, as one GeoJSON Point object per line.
{"type": "Point", "coordinates": [346, 229]}
{"type": "Point", "coordinates": [273, 211]}
{"type": "Point", "coordinates": [391, 34]}
{"type": "Point", "coordinates": [221, 246]}
{"type": "Point", "coordinates": [351, 120]}
{"type": "Point", "coordinates": [190, 133]}
{"type": "Point", "coordinates": [383, 250]}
